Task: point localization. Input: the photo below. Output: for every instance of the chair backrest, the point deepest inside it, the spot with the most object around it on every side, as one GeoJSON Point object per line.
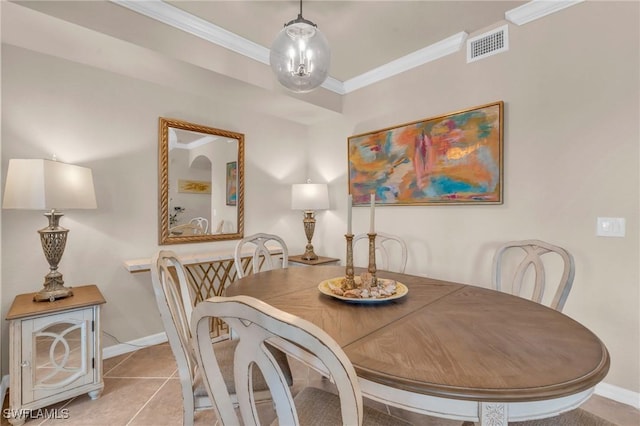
{"type": "Point", "coordinates": [532, 251]}
{"type": "Point", "coordinates": [228, 227]}
{"type": "Point", "coordinates": [259, 325]}
{"type": "Point", "coordinates": [202, 223]}
{"type": "Point", "coordinates": [174, 300]}
{"type": "Point", "coordinates": [384, 244]}
{"type": "Point", "coordinates": [262, 259]}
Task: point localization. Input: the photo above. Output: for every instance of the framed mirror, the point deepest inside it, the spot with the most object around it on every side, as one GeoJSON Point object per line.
{"type": "Point", "coordinates": [201, 183]}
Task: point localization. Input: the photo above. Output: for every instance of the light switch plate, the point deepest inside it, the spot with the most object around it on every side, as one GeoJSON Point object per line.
{"type": "Point", "coordinates": [610, 227]}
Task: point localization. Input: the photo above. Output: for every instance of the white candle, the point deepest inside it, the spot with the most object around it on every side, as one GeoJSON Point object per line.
{"type": "Point", "coordinates": [372, 229]}
{"type": "Point", "coordinates": [349, 203]}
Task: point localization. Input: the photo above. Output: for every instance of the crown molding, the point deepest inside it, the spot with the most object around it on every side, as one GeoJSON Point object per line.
{"type": "Point", "coordinates": [177, 18]}
{"type": "Point", "coordinates": [537, 9]}
{"type": "Point", "coordinates": [334, 85]}
{"type": "Point", "coordinates": [419, 57]}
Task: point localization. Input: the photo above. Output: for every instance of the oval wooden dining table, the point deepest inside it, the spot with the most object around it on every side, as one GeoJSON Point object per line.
{"type": "Point", "coordinates": [446, 349]}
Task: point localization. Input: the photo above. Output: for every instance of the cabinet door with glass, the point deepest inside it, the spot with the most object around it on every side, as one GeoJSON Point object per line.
{"type": "Point", "coordinates": [55, 351]}
{"type": "Point", "coordinates": [57, 354]}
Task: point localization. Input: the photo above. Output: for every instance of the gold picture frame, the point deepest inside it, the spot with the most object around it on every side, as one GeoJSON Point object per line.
{"type": "Point", "coordinates": [456, 158]}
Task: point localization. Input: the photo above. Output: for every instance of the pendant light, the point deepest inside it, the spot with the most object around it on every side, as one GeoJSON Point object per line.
{"type": "Point", "coordinates": [300, 55]}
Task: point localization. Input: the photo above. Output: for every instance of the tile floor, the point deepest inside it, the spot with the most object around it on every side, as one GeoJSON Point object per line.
{"type": "Point", "coordinates": [142, 388]}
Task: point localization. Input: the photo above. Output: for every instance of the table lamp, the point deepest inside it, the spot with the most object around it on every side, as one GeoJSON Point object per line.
{"type": "Point", "coordinates": [309, 197]}
{"type": "Point", "coordinates": [49, 185]}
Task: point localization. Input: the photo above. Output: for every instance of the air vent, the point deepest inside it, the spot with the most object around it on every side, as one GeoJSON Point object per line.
{"type": "Point", "coordinates": [488, 44]}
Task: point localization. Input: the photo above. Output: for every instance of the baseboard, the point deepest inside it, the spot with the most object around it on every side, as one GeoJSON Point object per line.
{"type": "Point", "coordinates": [618, 394]}
{"type": "Point", "coordinates": [4, 385]}
{"type": "Point", "coordinates": [133, 345]}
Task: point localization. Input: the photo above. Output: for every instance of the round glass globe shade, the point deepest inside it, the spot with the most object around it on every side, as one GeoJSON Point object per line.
{"type": "Point", "coordinates": [300, 57]}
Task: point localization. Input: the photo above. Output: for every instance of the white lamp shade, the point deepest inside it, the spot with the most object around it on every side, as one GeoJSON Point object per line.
{"type": "Point", "coordinates": [46, 184]}
{"type": "Point", "coordinates": [309, 196]}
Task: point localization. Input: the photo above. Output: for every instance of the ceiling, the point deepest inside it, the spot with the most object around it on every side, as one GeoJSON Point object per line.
{"type": "Point", "coordinates": [369, 40]}
{"type": "Point", "coordinates": [363, 35]}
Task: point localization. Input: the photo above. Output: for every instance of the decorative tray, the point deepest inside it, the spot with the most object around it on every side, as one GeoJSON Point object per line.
{"type": "Point", "coordinates": [326, 286]}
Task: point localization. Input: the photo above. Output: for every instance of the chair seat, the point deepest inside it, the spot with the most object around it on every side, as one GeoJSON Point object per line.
{"type": "Point", "coordinates": [224, 352]}
{"type": "Point", "coordinates": [317, 407]}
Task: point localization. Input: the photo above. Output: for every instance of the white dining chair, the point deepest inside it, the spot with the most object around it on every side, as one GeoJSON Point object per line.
{"type": "Point", "coordinates": [260, 326]}
{"type": "Point", "coordinates": [385, 244]}
{"type": "Point", "coordinates": [261, 256]}
{"type": "Point", "coordinates": [202, 223]}
{"type": "Point", "coordinates": [174, 300]}
{"type": "Point", "coordinates": [219, 227]}
{"type": "Point", "coordinates": [529, 258]}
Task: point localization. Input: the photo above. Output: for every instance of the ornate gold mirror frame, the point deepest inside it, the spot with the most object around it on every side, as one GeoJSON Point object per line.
{"type": "Point", "coordinates": [200, 175]}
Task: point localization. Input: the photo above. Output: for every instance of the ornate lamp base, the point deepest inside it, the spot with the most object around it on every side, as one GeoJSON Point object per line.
{"type": "Point", "coordinates": [51, 293]}
{"type": "Point", "coordinates": [309, 254]}
{"type": "Point", "coordinates": [309, 222]}
{"type": "Point", "coordinates": [54, 240]}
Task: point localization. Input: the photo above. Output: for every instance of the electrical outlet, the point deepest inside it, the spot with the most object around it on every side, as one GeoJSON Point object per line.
{"type": "Point", "coordinates": [610, 227]}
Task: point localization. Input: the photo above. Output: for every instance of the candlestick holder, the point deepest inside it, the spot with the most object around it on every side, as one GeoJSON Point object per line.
{"type": "Point", "coordinates": [372, 258]}
{"type": "Point", "coordinates": [349, 282]}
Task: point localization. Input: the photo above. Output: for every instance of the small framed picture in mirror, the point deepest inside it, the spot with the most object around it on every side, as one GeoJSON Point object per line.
{"type": "Point", "coordinates": [232, 183]}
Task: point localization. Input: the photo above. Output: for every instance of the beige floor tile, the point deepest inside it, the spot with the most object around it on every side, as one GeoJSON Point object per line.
{"type": "Point", "coordinates": [375, 405]}
{"type": "Point", "coordinates": [165, 407]}
{"type": "Point", "coordinates": [298, 369]}
{"type": "Point", "coordinates": [620, 414]}
{"type": "Point", "coordinates": [205, 418]}
{"type": "Point", "coordinates": [39, 415]}
{"type": "Point", "coordinates": [154, 361]}
{"type": "Point", "coordinates": [109, 363]}
{"type": "Point", "coordinates": [120, 401]}
{"type": "Point", "coordinates": [266, 412]}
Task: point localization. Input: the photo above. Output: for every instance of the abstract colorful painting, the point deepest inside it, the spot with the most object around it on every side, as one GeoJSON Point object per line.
{"type": "Point", "coordinates": [232, 183]}
{"type": "Point", "coordinates": [451, 159]}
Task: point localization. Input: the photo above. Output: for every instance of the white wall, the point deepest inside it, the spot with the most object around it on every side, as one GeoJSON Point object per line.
{"type": "Point", "coordinates": [109, 123]}
{"type": "Point", "coordinates": [570, 83]}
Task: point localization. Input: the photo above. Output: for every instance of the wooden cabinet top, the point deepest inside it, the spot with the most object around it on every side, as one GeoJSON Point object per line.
{"type": "Point", "coordinates": [24, 306]}
{"type": "Point", "coordinates": [321, 260]}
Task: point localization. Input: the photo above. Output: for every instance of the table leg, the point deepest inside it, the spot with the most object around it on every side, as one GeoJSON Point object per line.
{"type": "Point", "coordinates": [493, 414]}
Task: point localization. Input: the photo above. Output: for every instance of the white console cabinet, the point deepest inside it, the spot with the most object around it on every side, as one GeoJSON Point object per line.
{"type": "Point", "coordinates": [55, 351]}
